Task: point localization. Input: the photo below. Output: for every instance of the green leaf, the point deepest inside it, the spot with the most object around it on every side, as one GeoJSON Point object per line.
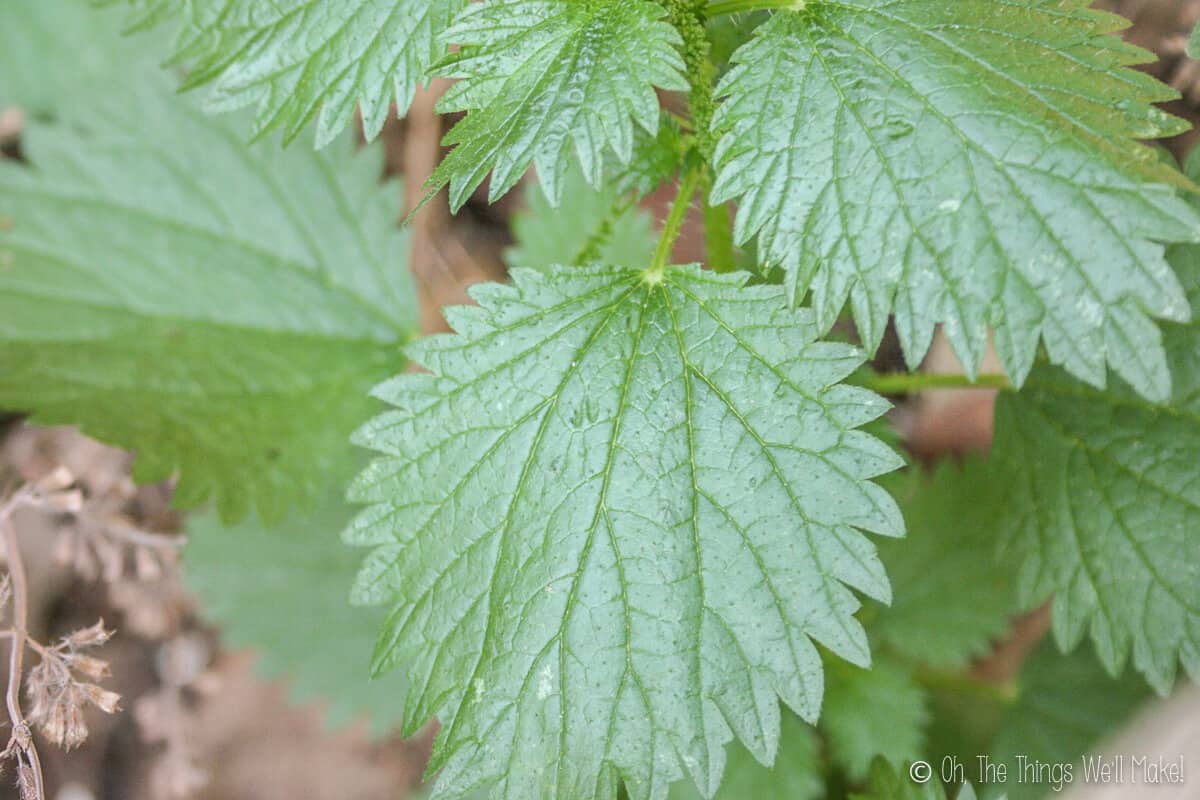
{"type": "Point", "coordinates": [954, 595]}
{"type": "Point", "coordinates": [543, 78]}
{"type": "Point", "coordinates": [1066, 705]}
{"type": "Point", "coordinates": [888, 783]}
{"type": "Point", "coordinates": [597, 225]}
{"type": "Point", "coordinates": [283, 592]}
{"type": "Point", "coordinates": [869, 713]}
{"type": "Point", "coordinates": [972, 163]}
{"type": "Point", "coordinates": [613, 522]}
{"type": "Point", "coordinates": [1193, 45]}
{"type": "Point", "coordinates": [221, 309]}
{"type": "Point", "coordinates": [55, 54]}
{"type": "Point", "coordinates": [656, 158]}
{"type": "Point", "coordinates": [300, 59]}
{"type": "Point", "coordinates": [1104, 508]}
{"type": "Point", "coordinates": [796, 774]}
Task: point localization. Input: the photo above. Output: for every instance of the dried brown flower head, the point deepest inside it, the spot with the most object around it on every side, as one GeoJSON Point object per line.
{"type": "Point", "coordinates": [58, 693]}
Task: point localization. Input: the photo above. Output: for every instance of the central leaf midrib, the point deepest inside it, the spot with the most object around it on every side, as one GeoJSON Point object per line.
{"type": "Point", "coordinates": [601, 509]}
{"type": "Point", "coordinates": [697, 549]}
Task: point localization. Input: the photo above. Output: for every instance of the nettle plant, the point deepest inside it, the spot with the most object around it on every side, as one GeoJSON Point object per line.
{"type": "Point", "coordinates": [629, 513]}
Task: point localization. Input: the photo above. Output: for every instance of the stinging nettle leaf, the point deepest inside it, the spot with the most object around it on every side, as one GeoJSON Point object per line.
{"type": "Point", "coordinates": [796, 774]}
{"type": "Point", "coordinates": [613, 522]}
{"type": "Point", "coordinates": [224, 322]}
{"type": "Point", "coordinates": [869, 713]}
{"type": "Point", "coordinates": [300, 59]}
{"type": "Point", "coordinates": [972, 163]}
{"type": "Point", "coordinates": [1066, 705]}
{"type": "Point", "coordinates": [56, 54]}
{"type": "Point", "coordinates": [540, 78]}
{"type": "Point", "coordinates": [1105, 507]}
{"type": "Point", "coordinates": [954, 594]}
{"type": "Point", "coordinates": [591, 225]}
{"type": "Point", "coordinates": [246, 576]}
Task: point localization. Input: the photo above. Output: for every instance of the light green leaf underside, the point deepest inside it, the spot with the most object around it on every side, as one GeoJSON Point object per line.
{"type": "Point", "coordinates": [870, 713]}
{"type": "Point", "coordinates": [612, 523]}
{"type": "Point", "coordinates": [55, 54]}
{"type": "Point", "coordinates": [1065, 705]}
{"type": "Point", "coordinates": [971, 163]}
{"type": "Point", "coordinates": [542, 78]}
{"type": "Point", "coordinates": [1104, 503]}
{"type": "Point", "coordinates": [221, 309]}
{"type": "Point", "coordinates": [284, 593]}
{"type": "Point", "coordinates": [598, 224]}
{"type": "Point", "coordinates": [296, 60]}
{"type": "Point", "coordinates": [954, 595]}
{"type": "Point", "coordinates": [1193, 45]}
{"type": "Point", "coordinates": [796, 774]}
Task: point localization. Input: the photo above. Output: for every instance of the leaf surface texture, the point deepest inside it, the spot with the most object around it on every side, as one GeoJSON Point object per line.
{"type": "Point", "coordinates": [546, 82]}
{"type": "Point", "coordinates": [972, 163]}
{"type": "Point", "coordinates": [1104, 504]}
{"type": "Point", "coordinates": [612, 523]}
{"type": "Point", "coordinates": [296, 60]}
{"type": "Point", "coordinates": [225, 322]}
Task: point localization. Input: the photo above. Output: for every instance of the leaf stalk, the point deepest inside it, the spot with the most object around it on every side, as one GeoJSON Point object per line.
{"type": "Point", "coordinates": [909, 383]}
{"type": "Point", "coordinates": [674, 222]}
{"type": "Point", "coordinates": [721, 8]}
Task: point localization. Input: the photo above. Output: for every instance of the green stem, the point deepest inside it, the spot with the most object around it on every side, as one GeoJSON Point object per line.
{"type": "Point", "coordinates": [905, 383]}
{"type": "Point", "coordinates": [688, 17]}
{"type": "Point", "coordinates": [675, 217]}
{"type": "Point", "coordinates": [718, 230]}
{"type": "Point", "coordinates": [720, 8]}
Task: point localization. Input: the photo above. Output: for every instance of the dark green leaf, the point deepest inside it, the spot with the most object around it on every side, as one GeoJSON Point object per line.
{"type": "Point", "coordinates": [1065, 705]}
{"type": "Point", "coordinates": [221, 309]}
{"type": "Point", "coordinates": [870, 713]}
